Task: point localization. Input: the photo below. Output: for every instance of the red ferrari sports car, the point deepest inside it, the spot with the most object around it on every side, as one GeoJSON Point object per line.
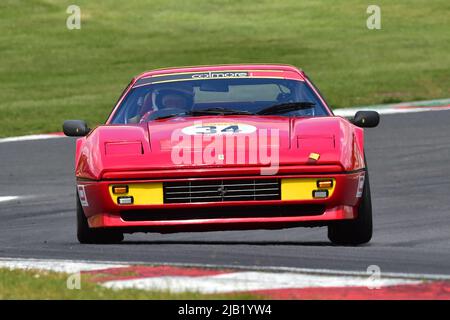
{"type": "Point", "coordinates": [228, 147]}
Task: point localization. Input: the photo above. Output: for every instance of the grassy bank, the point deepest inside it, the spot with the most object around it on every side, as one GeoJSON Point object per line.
{"type": "Point", "coordinates": [49, 73]}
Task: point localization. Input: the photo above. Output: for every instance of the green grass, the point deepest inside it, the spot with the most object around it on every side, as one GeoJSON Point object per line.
{"type": "Point", "coordinates": [49, 74]}
{"type": "Point", "coordinates": [38, 285]}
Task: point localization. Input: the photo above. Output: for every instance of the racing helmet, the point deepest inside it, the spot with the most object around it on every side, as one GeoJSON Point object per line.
{"type": "Point", "coordinates": [173, 97]}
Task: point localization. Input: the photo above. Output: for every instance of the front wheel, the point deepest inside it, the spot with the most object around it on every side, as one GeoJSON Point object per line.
{"type": "Point", "coordinates": [85, 234]}
{"type": "Point", "coordinates": [357, 231]}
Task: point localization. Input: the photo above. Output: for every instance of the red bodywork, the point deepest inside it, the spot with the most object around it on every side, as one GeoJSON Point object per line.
{"type": "Point", "coordinates": [141, 153]}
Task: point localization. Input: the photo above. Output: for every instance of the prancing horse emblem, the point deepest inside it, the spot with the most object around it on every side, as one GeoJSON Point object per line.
{"type": "Point", "coordinates": [222, 191]}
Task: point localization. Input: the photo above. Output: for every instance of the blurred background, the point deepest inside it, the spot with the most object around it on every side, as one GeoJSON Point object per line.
{"type": "Point", "coordinates": [49, 73]}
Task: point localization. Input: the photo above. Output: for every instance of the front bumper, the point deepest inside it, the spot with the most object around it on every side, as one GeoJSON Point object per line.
{"type": "Point", "coordinates": [102, 210]}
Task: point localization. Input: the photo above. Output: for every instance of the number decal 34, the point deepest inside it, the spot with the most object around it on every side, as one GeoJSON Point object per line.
{"type": "Point", "coordinates": [219, 128]}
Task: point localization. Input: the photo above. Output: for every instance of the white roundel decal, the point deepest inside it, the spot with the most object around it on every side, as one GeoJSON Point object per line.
{"type": "Point", "coordinates": [219, 128]}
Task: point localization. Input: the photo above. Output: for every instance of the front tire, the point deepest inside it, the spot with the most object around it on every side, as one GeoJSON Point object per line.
{"type": "Point", "coordinates": [85, 234]}
{"type": "Point", "coordinates": [357, 231]}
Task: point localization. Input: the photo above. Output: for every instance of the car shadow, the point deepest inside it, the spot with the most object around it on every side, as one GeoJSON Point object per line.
{"type": "Point", "coordinates": [228, 243]}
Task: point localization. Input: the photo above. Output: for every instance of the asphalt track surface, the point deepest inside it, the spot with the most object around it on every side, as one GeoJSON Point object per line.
{"type": "Point", "coordinates": [409, 165]}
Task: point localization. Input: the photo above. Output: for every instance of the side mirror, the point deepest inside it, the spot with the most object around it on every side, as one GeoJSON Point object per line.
{"type": "Point", "coordinates": [366, 119]}
{"type": "Point", "coordinates": [75, 128]}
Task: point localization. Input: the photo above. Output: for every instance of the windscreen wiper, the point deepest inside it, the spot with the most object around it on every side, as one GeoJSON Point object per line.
{"type": "Point", "coordinates": [218, 111]}
{"type": "Point", "coordinates": [171, 115]}
{"type": "Point", "coordinates": [275, 109]}
{"type": "Point", "coordinates": [286, 107]}
{"type": "Point", "coordinates": [202, 112]}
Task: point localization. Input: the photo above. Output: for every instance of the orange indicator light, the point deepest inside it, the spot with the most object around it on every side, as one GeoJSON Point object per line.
{"type": "Point", "coordinates": [120, 189]}
{"type": "Point", "coordinates": [325, 183]}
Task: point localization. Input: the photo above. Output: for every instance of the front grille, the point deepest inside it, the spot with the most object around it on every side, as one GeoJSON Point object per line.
{"type": "Point", "coordinates": [222, 190]}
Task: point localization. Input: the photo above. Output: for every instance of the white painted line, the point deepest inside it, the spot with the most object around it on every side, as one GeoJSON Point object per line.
{"type": "Point", "coordinates": [8, 198]}
{"type": "Point", "coordinates": [66, 266]}
{"type": "Point", "coordinates": [31, 137]}
{"type": "Point", "coordinates": [250, 281]}
{"type": "Point", "coordinates": [403, 107]}
{"type": "Point", "coordinates": [350, 112]}
{"type": "Point", "coordinates": [392, 275]}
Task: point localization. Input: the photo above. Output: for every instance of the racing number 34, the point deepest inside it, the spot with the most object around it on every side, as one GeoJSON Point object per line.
{"type": "Point", "coordinates": [215, 129]}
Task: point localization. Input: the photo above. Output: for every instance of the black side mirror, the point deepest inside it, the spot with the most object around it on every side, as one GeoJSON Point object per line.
{"type": "Point", "coordinates": [366, 119]}
{"type": "Point", "coordinates": [75, 128]}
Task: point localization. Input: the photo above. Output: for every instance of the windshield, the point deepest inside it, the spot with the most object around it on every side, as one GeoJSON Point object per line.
{"type": "Point", "coordinates": [236, 96]}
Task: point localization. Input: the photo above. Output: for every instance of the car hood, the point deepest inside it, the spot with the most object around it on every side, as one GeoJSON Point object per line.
{"type": "Point", "coordinates": [225, 141]}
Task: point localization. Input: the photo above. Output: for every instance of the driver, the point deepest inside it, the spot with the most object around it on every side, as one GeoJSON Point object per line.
{"type": "Point", "coordinates": [174, 97]}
